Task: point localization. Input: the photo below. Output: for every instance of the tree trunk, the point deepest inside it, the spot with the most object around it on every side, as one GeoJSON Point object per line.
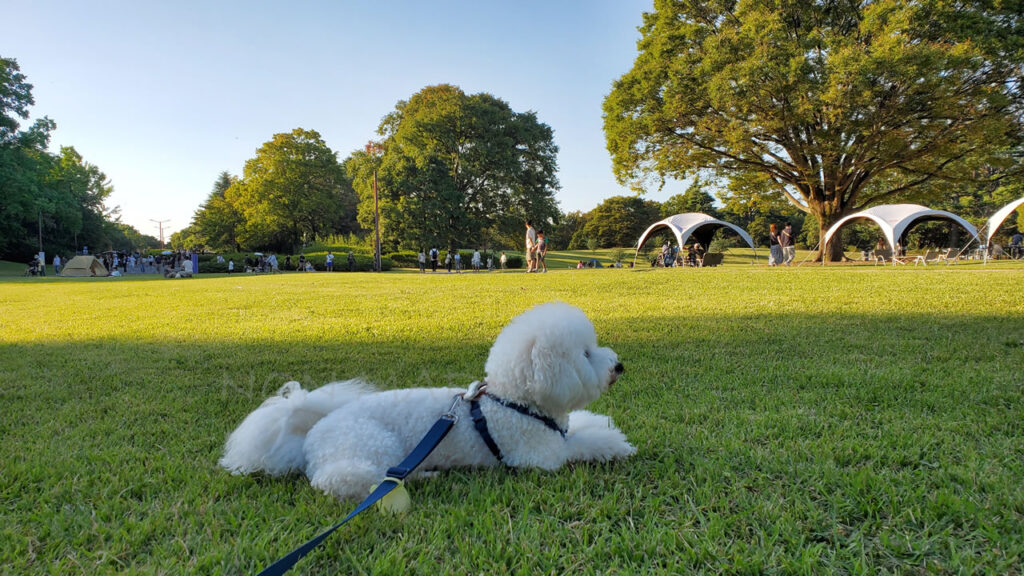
{"type": "Point", "coordinates": [827, 215]}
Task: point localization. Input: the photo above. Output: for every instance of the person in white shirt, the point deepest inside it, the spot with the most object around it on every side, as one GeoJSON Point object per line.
{"type": "Point", "coordinates": [531, 248]}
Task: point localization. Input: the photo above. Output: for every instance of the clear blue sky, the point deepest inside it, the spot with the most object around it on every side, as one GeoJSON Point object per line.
{"type": "Point", "coordinates": [164, 96]}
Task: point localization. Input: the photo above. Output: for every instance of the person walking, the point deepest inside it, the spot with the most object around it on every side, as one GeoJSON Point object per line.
{"type": "Point", "coordinates": [774, 249]}
{"type": "Point", "coordinates": [433, 260]}
{"type": "Point", "coordinates": [503, 261]}
{"type": "Point", "coordinates": [458, 262]}
{"type": "Point", "coordinates": [56, 264]}
{"type": "Point", "coordinates": [422, 258]}
{"type": "Point", "coordinates": [448, 261]}
{"type": "Point", "coordinates": [531, 248]}
{"type": "Point", "coordinates": [476, 260]}
{"type": "Point", "coordinates": [330, 261]}
{"type": "Point", "coordinates": [786, 242]}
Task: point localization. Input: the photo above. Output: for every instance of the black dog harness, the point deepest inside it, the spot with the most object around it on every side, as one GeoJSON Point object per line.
{"type": "Point", "coordinates": [480, 422]}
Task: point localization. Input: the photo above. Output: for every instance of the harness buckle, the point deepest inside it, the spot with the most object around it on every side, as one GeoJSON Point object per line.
{"type": "Point", "coordinates": [450, 415]}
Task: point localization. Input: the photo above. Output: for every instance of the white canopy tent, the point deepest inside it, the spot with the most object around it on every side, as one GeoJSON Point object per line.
{"type": "Point", "coordinates": [998, 218]}
{"type": "Point", "coordinates": [696, 224]}
{"type": "Point", "coordinates": [895, 219]}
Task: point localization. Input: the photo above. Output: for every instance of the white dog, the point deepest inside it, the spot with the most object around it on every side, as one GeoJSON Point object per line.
{"type": "Point", "coordinates": [544, 366]}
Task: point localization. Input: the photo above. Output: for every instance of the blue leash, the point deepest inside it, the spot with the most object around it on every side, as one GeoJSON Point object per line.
{"type": "Point", "coordinates": [393, 478]}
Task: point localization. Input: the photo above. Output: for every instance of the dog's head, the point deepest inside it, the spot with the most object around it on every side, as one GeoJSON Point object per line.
{"type": "Point", "coordinates": [548, 357]}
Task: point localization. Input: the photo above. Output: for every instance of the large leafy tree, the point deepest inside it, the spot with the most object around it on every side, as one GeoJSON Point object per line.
{"type": "Point", "coordinates": [836, 105]}
{"type": "Point", "coordinates": [293, 189]}
{"type": "Point", "coordinates": [457, 170]}
{"type": "Point", "coordinates": [616, 222]}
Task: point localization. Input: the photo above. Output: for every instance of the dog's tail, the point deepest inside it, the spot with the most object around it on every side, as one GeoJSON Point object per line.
{"type": "Point", "coordinates": [270, 438]}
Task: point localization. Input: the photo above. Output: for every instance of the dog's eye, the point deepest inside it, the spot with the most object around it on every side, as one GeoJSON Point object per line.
{"type": "Point", "coordinates": [586, 353]}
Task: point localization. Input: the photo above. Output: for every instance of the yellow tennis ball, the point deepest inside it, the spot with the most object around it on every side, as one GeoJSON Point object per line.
{"type": "Point", "coordinates": [396, 502]}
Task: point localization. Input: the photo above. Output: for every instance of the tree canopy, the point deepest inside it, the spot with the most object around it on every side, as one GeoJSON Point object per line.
{"type": "Point", "coordinates": [293, 190]}
{"type": "Point", "coordinates": [456, 169]}
{"type": "Point", "coordinates": [836, 105]}
{"type": "Point", "coordinates": [618, 221]}
{"type": "Point", "coordinates": [59, 198]}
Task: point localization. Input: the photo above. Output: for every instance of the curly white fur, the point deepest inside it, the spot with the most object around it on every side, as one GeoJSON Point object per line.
{"type": "Point", "coordinates": [345, 435]}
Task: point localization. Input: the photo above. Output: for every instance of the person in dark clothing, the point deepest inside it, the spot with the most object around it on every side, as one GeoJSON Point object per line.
{"type": "Point", "coordinates": [351, 262]}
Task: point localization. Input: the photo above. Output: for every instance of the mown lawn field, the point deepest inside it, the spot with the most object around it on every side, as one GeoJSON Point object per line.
{"type": "Point", "coordinates": [847, 420]}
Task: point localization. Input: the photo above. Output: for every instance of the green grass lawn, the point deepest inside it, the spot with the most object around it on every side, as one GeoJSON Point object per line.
{"type": "Point", "coordinates": [812, 420]}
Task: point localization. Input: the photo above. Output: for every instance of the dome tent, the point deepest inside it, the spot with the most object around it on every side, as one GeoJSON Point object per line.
{"type": "Point", "coordinates": [895, 219]}
{"type": "Point", "coordinates": [999, 217]}
{"type": "Point", "coordinates": [697, 224]}
{"type": "Point", "coordinates": [84, 266]}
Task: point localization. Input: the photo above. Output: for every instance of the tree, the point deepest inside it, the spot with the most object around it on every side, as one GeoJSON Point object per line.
{"type": "Point", "coordinates": [618, 221]}
{"type": "Point", "coordinates": [695, 199]}
{"type": "Point", "coordinates": [293, 189]}
{"type": "Point", "coordinates": [454, 169]}
{"type": "Point", "coordinates": [216, 222]}
{"type": "Point", "coordinates": [569, 224]}
{"type": "Point", "coordinates": [837, 105]}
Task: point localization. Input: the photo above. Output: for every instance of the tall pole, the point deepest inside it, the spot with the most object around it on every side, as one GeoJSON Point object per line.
{"type": "Point", "coordinates": [160, 223]}
{"type": "Point", "coordinates": [376, 226]}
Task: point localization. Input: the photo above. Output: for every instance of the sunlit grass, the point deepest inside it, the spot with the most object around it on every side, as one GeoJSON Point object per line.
{"type": "Point", "coordinates": [809, 420]}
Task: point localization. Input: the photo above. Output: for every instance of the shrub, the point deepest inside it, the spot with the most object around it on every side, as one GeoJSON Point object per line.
{"type": "Point", "coordinates": [405, 259]}
{"type": "Point", "coordinates": [513, 261]}
{"type": "Point", "coordinates": [364, 262]}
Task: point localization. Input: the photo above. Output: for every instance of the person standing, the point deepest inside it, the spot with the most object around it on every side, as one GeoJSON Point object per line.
{"type": "Point", "coordinates": [458, 262]}
{"type": "Point", "coordinates": [330, 261]}
{"type": "Point", "coordinates": [476, 260]}
{"type": "Point", "coordinates": [531, 248]}
{"type": "Point", "coordinates": [774, 250]}
{"type": "Point", "coordinates": [231, 266]}
{"type": "Point", "coordinates": [542, 251]}
{"type": "Point", "coordinates": [422, 260]}
{"type": "Point", "coordinates": [351, 262]}
{"type": "Point", "coordinates": [433, 260]}
{"type": "Point", "coordinates": [448, 261]}
{"type": "Point", "coordinates": [56, 264]}
{"type": "Point", "coordinates": [786, 242]}
{"type": "Point", "coordinates": [503, 260]}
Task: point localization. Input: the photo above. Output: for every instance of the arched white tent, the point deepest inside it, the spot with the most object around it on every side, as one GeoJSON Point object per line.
{"type": "Point", "coordinates": [895, 219]}
{"type": "Point", "coordinates": [696, 224]}
{"type": "Point", "coordinates": [997, 219]}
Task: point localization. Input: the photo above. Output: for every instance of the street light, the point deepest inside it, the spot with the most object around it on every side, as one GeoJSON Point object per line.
{"type": "Point", "coordinates": [373, 149]}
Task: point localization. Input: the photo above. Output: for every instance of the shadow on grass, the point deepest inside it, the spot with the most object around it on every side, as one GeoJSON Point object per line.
{"type": "Point", "coordinates": [773, 441]}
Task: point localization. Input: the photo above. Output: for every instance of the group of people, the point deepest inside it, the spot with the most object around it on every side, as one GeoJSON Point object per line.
{"type": "Point", "coordinates": [781, 249]}
{"type": "Point", "coordinates": [453, 261]}
{"type": "Point", "coordinates": [670, 257]}
{"type": "Point", "coordinates": [261, 264]}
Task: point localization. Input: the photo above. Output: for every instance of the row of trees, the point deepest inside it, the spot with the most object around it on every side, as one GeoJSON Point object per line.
{"type": "Point", "coordinates": [785, 108]}
{"type": "Point", "coordinates": [57, 200]}
{"type": "Point", "coordinates": [450, 168]}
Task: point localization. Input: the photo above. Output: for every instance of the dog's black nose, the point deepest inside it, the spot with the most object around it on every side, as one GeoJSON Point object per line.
{"type": "Point", "coordinates": [619, 368]}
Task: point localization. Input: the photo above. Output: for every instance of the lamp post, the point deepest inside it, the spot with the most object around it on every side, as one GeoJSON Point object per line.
{"type": "Point", "coordinates": [374, 148]}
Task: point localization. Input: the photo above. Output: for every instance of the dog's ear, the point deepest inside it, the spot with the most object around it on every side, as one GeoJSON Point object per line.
{"type": "Point", "coordinates": [555, 382]}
